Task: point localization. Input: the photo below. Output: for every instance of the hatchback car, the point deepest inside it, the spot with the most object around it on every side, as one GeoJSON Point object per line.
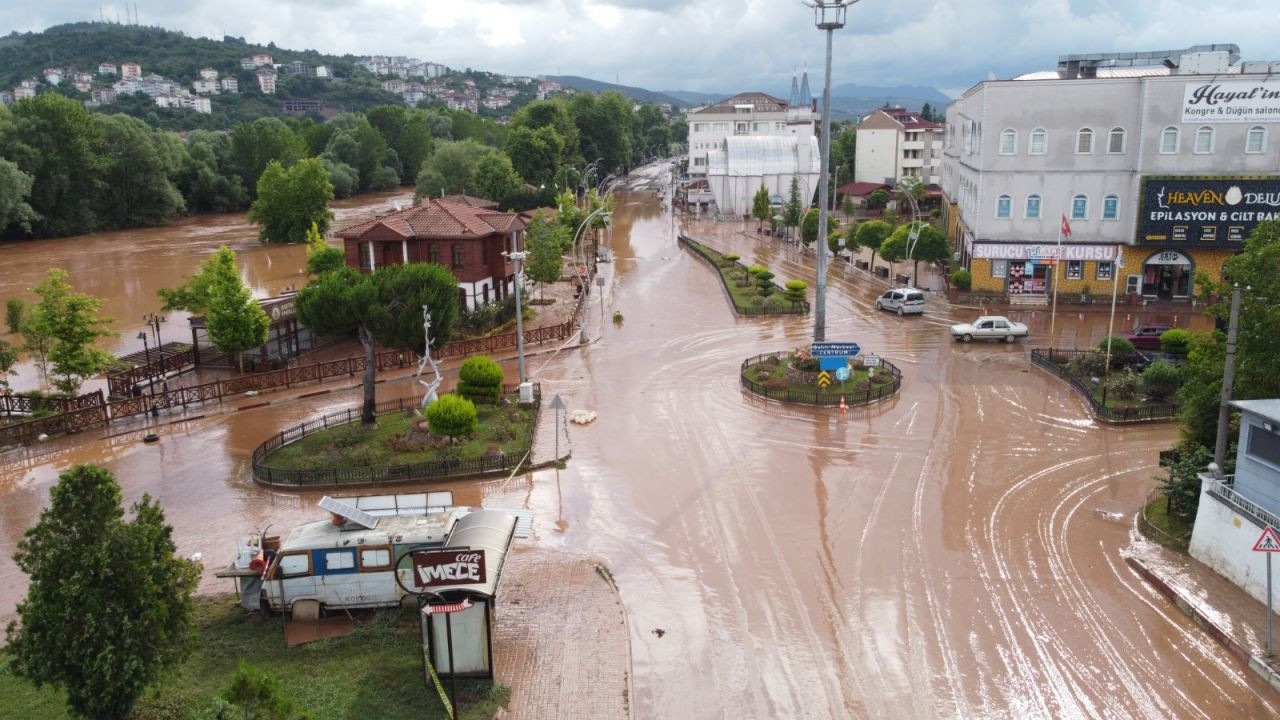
{"type": "Point", "coordinates": [1147, 337]}
{"type": "Point", "coordinates": [905, 300]}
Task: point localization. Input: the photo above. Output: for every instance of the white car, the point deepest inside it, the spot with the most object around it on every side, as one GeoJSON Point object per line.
{"type": "Point", "coordinates": [989, 327]}
{"type": "Point", "coordinates": [904, 300]}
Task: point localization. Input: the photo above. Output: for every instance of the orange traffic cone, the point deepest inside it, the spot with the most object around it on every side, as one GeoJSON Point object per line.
{"type": "Point", "coordinates": [843, 408]}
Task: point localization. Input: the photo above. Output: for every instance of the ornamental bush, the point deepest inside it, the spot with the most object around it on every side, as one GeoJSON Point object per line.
{"type": "Point", "coordinates": [480, 378]}
{"type": "Point", "coordinates": [764, 280]}
{"type": "Point", "coordinates": [452, 416]}
{"type": "Point", "coordinates": [1161, 380]}
{"type": "Point", "coordinates": [1121, 349]}
{"type": "Point", "coordinates": [795, 291]}
{"type": "Point", "coordinates": [1125, 385]}
{"type": "Point", "coordinates": [1090, 364]}
{"type": "Point", "coordinates": [962, 280]}
{"type": "Point", "coordinates": [757, 269]}
{"type": "Point", "coordinates": [1176, 341]}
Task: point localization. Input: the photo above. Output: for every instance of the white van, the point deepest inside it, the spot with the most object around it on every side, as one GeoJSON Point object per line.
{"type": "Point", "coordinates": [905, 300]}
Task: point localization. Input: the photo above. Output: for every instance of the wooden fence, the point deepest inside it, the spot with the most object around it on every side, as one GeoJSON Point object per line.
{"type": "Point", "coordinates": [381, 475]}
{"type": "Point", "coordinates": [121, 383]}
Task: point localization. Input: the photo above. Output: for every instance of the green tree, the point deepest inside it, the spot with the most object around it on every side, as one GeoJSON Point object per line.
{"type": "Point", "coordinates": [894, 247]}
{"type": "Point", "coordinates": [37, 340]}
{"type": "Point", "coordinates": [381, 308]}
{"type": "Point", "coordinates": [289, 202]}
{"type": "Point", "coordinates": [320, 257]}
{"type": "Point", "coordinates": [72, 325]}
{"type": "Point", "coordinates": [494, 178]}
{"type": "Point", "coordinates": [764, 281]}
{"type": "Point", "coordinates": [108, 605]}
{"type": "Point", "coordinates": [236, 322]}
{"type": "Point", "coordinates": [604, 128]}
{"type": "Point", "coordinates": [15, 188]}
{"type": "Point", "coordinates": [414, 144]}
{"type": "Point", "coordinates": [452, 416]}
{"type": "Point", "coordinates": [8, 359]}
{"type": "Point", "coordinates": [480, 378]}
{"type": "Point", "coordinates": [56, 142]}
{"type": "Point", "coordinates": [871, 235]}
{"type": "Point", "coordinates": [139, 168]}
{"type": "Point", "coordinates": [255, 695]}
{"type": "Point", "coordinates": [535, 154]}
{"type": "Point", "coordinates": [809, 226]}
{"type": "Point", "coordinates": [761, 206]}
{"type": "Point", "coordinates": [556, 115]}
{"type": "Point", "coordinates": [194, 292]}
{"type": "Point", "coordinates": [14, 309]}
{"type": "Point", "coordinates": [792, 210]}
{"type": "Point", "coordinates": [367, 147]}
{"type": "Point", "coordinates": [878, 198]}
{"type": "Point", "coordinates": [844, 151]}
{"type": "Point", "coordinates": [931, 247]}
{"type": "Point", "coordinates": [795, 291]}
{"type": "Point", "coordinates": [449, 169]}
{"type": "Point", "coordinates": [544, 242]}
{"type": "Point", "coordinates": [255, 145]}
{"type": "Point", "coordinates": [207, 179]}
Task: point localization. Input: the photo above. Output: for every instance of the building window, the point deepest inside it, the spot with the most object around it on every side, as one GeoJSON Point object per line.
{"type": "Point", "coordinates": [999, 268]}
{"type": "Point", "coordinates": [433, 253]}
{"type": "Point", "coordinates": [1264, 445]}
{"type": "Point", "coordinates": [1080, 207]}
{"type": "Point", "coordinates": [1256, 141]}
{"type": "Point", "coordinates": [1038, 141]}
{"type": "Point", "coordinates": [1075, 269]}
{"type": "Point", "coordinates": [1084, 141]}
{"type": "Point", "coordinates": [968, 137]}
{"type": "Point", "coordinates": [459, 259]}
{"type": "Point", "coordinates": [1204, 141]}
{"type": "Point", "coordinates": [1115, 141]}
{"type": "Point", "coordinates": [1033, 207]}
{"type": "Point", "coordinates": [1008, 142]}
{"type": "Point", "coordinates": [1169, 141]}
{"type": "Point", "coordinates": [1111, 207]}
{"type": "Point", "coordinates": [1104, 271]}
{"type": "Point", "coordinates": [1004, 207]}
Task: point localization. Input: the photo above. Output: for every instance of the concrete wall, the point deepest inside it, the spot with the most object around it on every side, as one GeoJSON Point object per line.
{"type": "Point", "coordinates": [1223, 539]}
{"type": "Point", "coordinates": [876, 155]}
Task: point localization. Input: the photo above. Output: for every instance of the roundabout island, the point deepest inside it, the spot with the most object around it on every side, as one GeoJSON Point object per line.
{"type": "Point", "coordinates": [796, 376]}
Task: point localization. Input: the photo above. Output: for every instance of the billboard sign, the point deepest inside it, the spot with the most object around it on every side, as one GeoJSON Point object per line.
{"type": "Point", "coordinates": [1207, 212]}
{"type": "Point", "coordinates": [1231, 102]}
{"type": "Point", "coordinates": [448, 567]}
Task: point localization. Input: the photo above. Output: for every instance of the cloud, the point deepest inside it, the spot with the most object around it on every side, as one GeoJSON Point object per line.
{"type": "Point", "coordinates": [708, 45]}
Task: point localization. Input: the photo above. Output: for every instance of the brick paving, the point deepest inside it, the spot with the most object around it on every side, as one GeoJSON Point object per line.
{"type": "Point", "coordinates": [561, 641]}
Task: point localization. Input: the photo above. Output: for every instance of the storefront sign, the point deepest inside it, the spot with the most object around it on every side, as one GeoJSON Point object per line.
{"type": "Point", "coordinates": [1231, 102]}
{"type": "Point", "coordinates": [1168, 257]}
{"type": "Point", "coordinates": [1180, 211]}
{"type": "Point", "coordinates": [279, 308]}
{"type": "Point", "coordinates": [1024, 251]}
{"type": "Point", "coordinates": [448, 567]}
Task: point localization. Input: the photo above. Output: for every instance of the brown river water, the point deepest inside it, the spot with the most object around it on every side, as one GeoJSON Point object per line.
{"type": "Point", "coordinates": [952, 552]}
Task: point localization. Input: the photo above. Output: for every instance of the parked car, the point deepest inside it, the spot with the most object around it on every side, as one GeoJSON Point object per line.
{"type": "Point", "coordinates": [1147, 337]}
{"type": "Point", "coordinates": [905, 300]}
{"type": "Point", "coordinates": [989, 327]}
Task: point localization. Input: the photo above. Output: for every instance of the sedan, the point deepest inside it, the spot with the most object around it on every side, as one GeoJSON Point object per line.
{"type": "Point", "coordinates": [989, 327]}
{"type": "Point", "coordinates": [1147, 337]}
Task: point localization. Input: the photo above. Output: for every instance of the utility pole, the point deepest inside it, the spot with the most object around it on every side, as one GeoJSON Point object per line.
{"type": "Point", "coordinates": [1228, 379]}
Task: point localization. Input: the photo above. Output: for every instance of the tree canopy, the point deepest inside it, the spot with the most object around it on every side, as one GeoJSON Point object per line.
{"type": "Point", "coordinates": [236, 322]}
{"type": "Point", "coordinates": [291, 201]}
{"type": "Point", "coordinates": [761, 204]}
{"type": "Point", "coordinates": [71, 324]}
{"type": "Point", "coordinates": [545, 241]}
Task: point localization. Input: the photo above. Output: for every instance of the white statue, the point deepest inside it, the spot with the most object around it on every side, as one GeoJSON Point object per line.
{"type": "Point", "coordinates": [430, 396]}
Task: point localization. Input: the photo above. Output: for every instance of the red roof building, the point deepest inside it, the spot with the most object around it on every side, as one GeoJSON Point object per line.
{"type": "Point", "coordinates": [466, 239]}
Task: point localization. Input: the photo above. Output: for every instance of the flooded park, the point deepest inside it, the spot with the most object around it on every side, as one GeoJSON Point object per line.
{"type": "Point", "coordinates": [953, 551]}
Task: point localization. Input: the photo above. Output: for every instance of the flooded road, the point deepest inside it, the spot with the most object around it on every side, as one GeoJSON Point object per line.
{"type": "Point", "coordinates": [953, 552]}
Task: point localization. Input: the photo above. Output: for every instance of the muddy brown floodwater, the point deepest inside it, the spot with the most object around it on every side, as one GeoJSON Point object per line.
{"type": "Point", "coordinates": [949, 553]}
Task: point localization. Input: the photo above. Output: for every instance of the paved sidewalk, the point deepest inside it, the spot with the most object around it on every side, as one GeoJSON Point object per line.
{"type": "Point", "coordinates": [1230, 615]}
{"type": "Point", "coordinates": [561, 641]}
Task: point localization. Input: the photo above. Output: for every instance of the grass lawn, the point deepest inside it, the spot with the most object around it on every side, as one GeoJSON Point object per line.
{"type": "Point", "coordinates": [376, 672]}
{"type": "Point", "coordinates": [1171, 530]}
{"type": "Point", "coordinates": [747, 297]}
{"type": "Point", "coordinates": [505, 427]}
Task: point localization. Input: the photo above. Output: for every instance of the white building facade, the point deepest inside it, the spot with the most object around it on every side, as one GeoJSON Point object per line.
{"type": "Point", "coordinates": [1162, 161]}
{"type": "Point", "coordinates": [895, 143]}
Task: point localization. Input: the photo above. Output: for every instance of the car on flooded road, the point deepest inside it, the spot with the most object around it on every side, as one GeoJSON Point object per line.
{"type": "Point", "coordinates": [903, 300]}
{"type": "Point", "coordinates": [1147, 337]}
{"type": "Point", "coordinates": [989, 327]}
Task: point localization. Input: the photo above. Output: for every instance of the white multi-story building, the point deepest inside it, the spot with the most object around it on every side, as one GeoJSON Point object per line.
{"type": "Point", "coordinates": [208, 74]}
{"type": "Point", "coordinates": [1166, 159]}
{"type": "Point", "coordinates": [130, 70]}
{"type": "Point", "coordinates": [267, 79]}
{"type": "Point", "coordinates": [229, 84]}
{"type": "Point", "coordinates": [204, 87]}
{"type": "Point", "coordinates": [107, 68]}
{"type": "Point", "coordinates": [895, 143]}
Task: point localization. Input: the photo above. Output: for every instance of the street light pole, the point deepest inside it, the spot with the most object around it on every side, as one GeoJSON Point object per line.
{"type": "Point", "coordinates": [1228, 380]}
{"type": "Point", "coordinates": [829, 16]}
{"type": "Point", "coordinates": [518, 258]}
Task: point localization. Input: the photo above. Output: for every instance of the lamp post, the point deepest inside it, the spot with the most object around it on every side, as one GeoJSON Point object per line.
{"type": "Point", "coordinates": [151, 378]}
{"type": "Point", "coordinates": [580, 260]}
{"type": "Point", "coordinates": [153, 321]}
{"type": "Point", "coordinates": [1228, 383]}
{"type": "Point", "coordinates": [829, 16]}
{"type": "Point", "coordinates": [518, 258]}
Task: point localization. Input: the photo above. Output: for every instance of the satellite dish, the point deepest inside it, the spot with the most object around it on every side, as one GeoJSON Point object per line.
{"type": "Point", "coordinates": [349, 512]}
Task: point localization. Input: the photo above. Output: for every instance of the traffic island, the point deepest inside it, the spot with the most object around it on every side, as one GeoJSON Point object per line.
{"type": "Point", "coordinates": [1135, 396]}
{"type": "Point", "coordinates": [337, 450]}
{"type": "Point", "coordinates": [751, 290]}
{"type": "Point", "coordinates": [795, 376]}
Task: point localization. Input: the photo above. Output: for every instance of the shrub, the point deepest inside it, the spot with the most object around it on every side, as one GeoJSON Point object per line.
{"type": "Point", "coordinates": [1176, 341]}
{"type": "Point", "coordinates": [1121, 349]}
{"type": "Point", "coordinates": [1160, 381]}
{"type": "Point", "coordinates": [617, 317]}
{"type": "Point", "coordinates": [806, 364]}
{"type": "Point", "coordinates": [775, 384]}
{"type": "Point", "coordinates": [764, 280]}
{"type": "Point", "coordinates": [795, 291]}
{"type": "Point", "coordinates": [1090, 364]}
{"type": "Point", "coordinates": [732, 257]}
{"type": "Point", "coordinates": [757, 269]}
{"type": "Point", "coordinates": [453, 416]}
{"type": "Point", "coordinates": [1125, 385]}
{"type": "Point", "coordinates": [366, 456]}
{"type": "Point", "coordinates": [348, 436]}
{"type": "Point", "coordinates": [962, 279]}
{"type": "Point", "coordinates": [480, 378]}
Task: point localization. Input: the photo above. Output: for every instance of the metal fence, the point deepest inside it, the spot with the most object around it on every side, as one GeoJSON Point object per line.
{"type": "Point", "coordinates": [1156, 533]}
{"type": "Point", "coordinates": [382, 475]}
{"type": "Point", "coordinates": [715, 260]}
{"type": "Point", "coordinates": [1056, 360]}
{"type": "Point", "coordinates": [825, 398]}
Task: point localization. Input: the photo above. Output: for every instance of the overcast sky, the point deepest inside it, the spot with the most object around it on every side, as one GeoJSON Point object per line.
{"type": "Point", "coordinates": [708, 45]}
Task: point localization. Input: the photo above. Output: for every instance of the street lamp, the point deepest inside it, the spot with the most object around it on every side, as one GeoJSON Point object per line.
{"type": "Point", "coordinates": [151, 378]}
{"type": "Point", "coordinates": [580, 260]}
{"type": "Point", "coordinates": [518, 258]}
{"type": "Point", "coordinates": [829, 16]}
{"type": "Point", "coordinates": [153, 321]}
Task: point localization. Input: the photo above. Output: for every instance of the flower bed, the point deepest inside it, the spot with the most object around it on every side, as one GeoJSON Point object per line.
{"type": "Point", "coordinates": [793, 377]}
{"type": "Point", "coordinates": [743, 290]}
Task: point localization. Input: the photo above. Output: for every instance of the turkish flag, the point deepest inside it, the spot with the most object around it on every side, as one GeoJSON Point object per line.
{"type": "Point", "coordinates": [1066, 227]}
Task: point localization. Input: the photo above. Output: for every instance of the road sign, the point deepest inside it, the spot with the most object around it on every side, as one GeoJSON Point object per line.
{"type": "Point", "coordinates": [842, 374]}
{"type": "Point", "coordinates": [1268, 542]}
{"type": "Point", "coordinates": [824, 379]}
{"type": "Point", "coordinates": [835, 349]}
{"type": "Point", "coordinates": [832, 363]}
{"type": "Point", "coordinates": [871, 361]}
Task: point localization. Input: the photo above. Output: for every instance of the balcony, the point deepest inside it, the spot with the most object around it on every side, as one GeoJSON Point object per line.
{"type": "Point", "coordinates": [913, 145]}
{"type": "Point", "coordinates": [1224, 489]}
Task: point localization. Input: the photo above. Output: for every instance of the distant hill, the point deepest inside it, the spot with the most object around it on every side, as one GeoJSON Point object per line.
{"type": "Point", "coordinates": [635, 93]}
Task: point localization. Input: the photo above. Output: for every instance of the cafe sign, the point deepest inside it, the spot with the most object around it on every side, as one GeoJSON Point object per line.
{"type": "Point", "coordinates": [1182, 211]}
{"type": "Point", "coordinates": [1043, 252]}
{"type": "Point", "coordinates": [448, 567]}
{"type": "Point", "coordinates": [1231, 102]}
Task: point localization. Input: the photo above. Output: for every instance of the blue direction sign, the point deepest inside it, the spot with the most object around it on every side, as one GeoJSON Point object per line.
{"type": "Point", "coordinates": [832, 363]}
{"type": "Point", "coordinates": [835, 349]}
{"type": "Point", "coordinates": [842, 374]}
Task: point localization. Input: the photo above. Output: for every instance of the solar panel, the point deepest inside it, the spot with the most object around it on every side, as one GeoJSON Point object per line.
{"type": "Point", "coordinates": [348, 511]}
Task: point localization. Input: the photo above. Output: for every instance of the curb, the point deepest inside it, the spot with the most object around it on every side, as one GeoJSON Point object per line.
{"type": "Point", "coordinates": [1256, 663]}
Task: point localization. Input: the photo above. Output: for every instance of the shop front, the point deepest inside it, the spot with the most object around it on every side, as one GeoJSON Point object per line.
{"type": "Point", "coordinates": [1168, 275]}
{"type": "Point", "coordinates": [1026, 272]}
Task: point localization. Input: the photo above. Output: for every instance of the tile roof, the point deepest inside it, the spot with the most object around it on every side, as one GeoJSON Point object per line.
{"type": "Point", "coordinates": [762, 102]}
{"type": "Point", "coordinates": [471, 201]}
{"type": "Point", "coordinates": [441, 218]}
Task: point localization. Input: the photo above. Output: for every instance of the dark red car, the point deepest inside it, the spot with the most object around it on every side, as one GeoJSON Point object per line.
{"type": "Point", "coordinates": [1147, 337]}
